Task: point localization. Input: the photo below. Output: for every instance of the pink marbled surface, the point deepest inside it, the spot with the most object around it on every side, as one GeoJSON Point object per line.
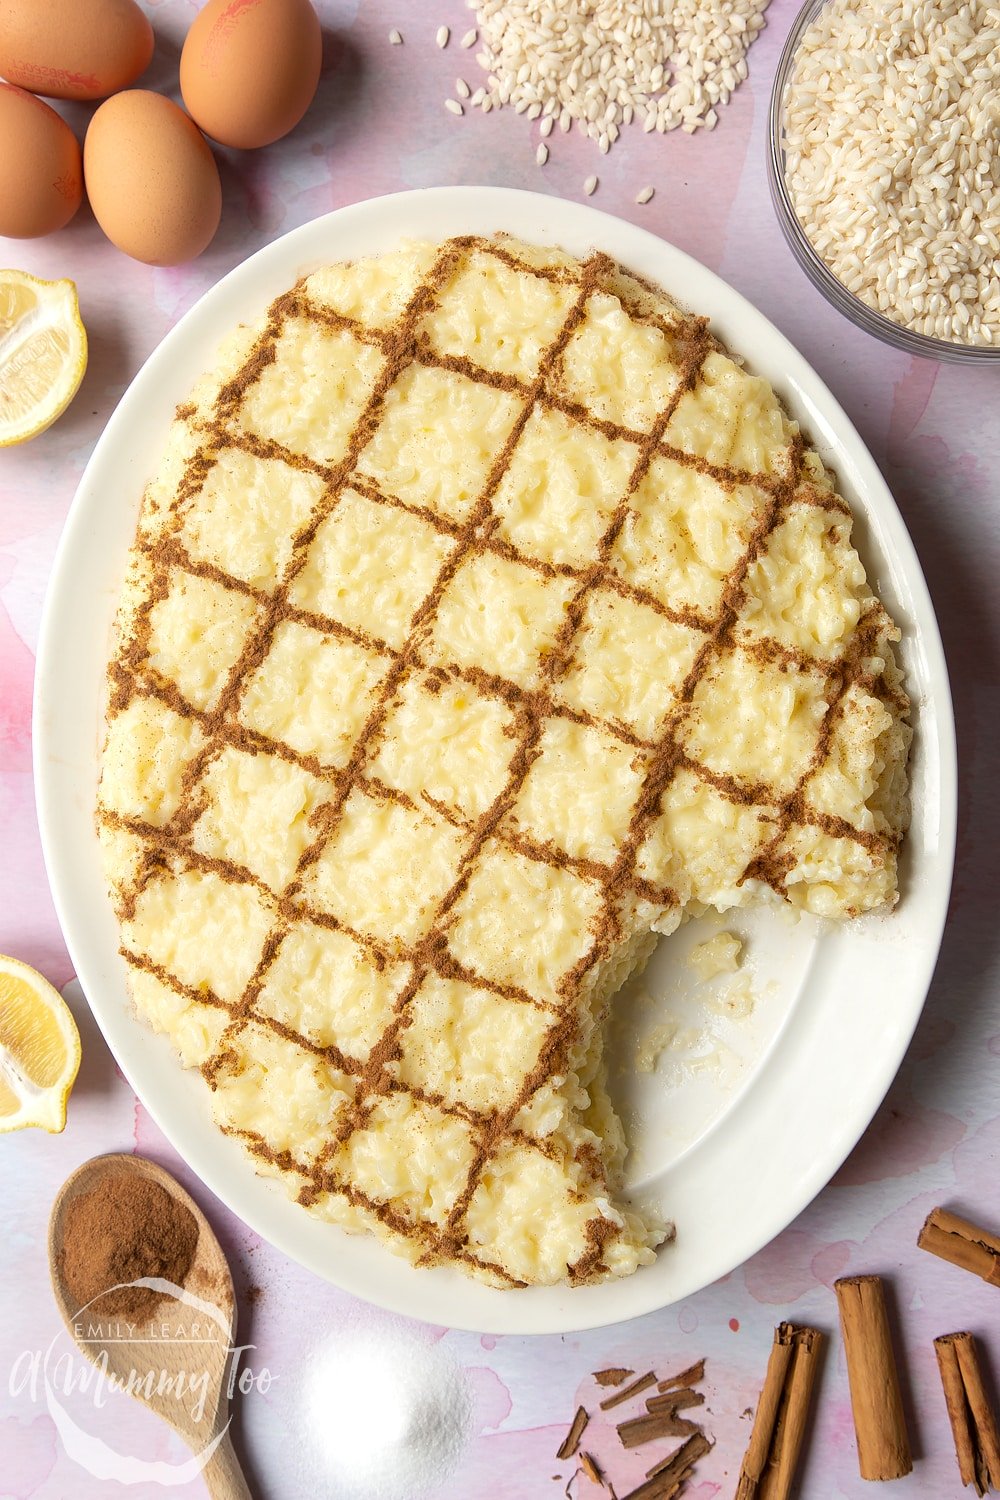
{"type": "Point", "coordinates": [378, 125]}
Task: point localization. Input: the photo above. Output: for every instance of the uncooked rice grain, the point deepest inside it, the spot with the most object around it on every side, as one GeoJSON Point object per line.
{"type": "Point", "coordinates": [590, 186]}
{"type": "Point", "coordinates": [603, 63]}
{"type": "Point", "coordinates": [454, 106]}
{"type": "Point", "coordinates": [443, 33]}
{"type": "Point", "coordinates": [892, 161]}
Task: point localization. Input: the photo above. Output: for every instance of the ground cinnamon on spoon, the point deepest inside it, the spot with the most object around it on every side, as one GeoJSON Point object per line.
{"type": "Point", "coordinates": [124, 1228]}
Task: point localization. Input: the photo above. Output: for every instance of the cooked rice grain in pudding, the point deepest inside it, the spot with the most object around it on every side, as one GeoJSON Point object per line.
{"type": "Point", "coordinates": [483, 615]}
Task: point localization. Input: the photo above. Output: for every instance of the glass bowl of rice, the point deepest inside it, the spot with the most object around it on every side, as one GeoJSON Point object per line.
{"type": "Point", "coordinates": [883, 152]}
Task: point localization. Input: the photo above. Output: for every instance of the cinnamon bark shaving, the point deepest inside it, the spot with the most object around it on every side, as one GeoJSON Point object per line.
{"type": "Point", "coordinates": [590, 1466]}
{"type": "Point", "coordinates": [675, 1400]}
{"type": "Point", "coordinates": [628, 1391]}
{"type": "Point", "coordinates": [571, 1441]}
{"type": "Point", "coordinates": [667, 1478]}
{"type": "Point", "coordinates": [685, 1378]}
{"type": "Point", "coordinates": [661, 1420]}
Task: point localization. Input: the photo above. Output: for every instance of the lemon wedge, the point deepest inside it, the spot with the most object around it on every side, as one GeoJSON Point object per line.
{"type": "Point", "coordinates": [39, 1050]}
{"type": "Point", "coordinates": [43, 353]}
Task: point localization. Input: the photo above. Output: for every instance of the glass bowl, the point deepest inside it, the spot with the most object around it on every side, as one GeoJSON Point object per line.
{"type": "Point", "coordinates": [815, 268]}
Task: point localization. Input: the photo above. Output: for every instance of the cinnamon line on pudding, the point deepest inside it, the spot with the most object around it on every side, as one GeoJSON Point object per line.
{"type": "Point", "coordinates": [973, 1424]}
{"type": "Point", "coordinates": [879, 1423]}
{"type": "Point", "coordinates": [772, 1455]}
{"type": "Point", "coordinates": [962, 1243]}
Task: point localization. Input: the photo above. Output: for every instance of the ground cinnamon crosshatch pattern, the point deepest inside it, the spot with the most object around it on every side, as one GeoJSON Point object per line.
{"type": "Point", "coordinates": [450, 672]}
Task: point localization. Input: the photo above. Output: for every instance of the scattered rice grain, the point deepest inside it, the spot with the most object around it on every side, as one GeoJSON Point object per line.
{"type": "Point", "coordinates": [644, 194]}
{"type": "Point", "coordinates": [610, 61]}
{"type": "Point", "coordinates": [542, 154]}
{"type": "Point", "coordinates": [469, 39]}
{"type": "Point", "coordinates": [395, 38]}
{"type": "Point", "coordinates": [443, 33]}
{"type": "Point", "coordinates": [462, 88]}
{"type": "Point", "coordinates": [454, 106]}
{"type": "Point", "coordinates": [590, 186]}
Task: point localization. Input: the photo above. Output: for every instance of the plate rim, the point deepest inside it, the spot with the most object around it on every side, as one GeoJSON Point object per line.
{"type": "Point", "coordinates": [532, 1310]}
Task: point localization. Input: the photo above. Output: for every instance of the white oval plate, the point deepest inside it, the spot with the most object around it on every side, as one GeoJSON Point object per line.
{"type": "Point", "coordinates": [732, 1156]}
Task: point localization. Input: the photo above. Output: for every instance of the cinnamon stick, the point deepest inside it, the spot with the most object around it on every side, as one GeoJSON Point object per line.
{"type": "Point", "coordinates": [973, 1425]}
{"type": "Point", "coordinates": [879, 1423]}
{"type": "Point", "coordinates": [962, 1243]}
{"type": "Point", "coordinates": [779, 1425]}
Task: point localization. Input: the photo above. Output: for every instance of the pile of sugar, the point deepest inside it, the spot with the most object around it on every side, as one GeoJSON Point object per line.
{"type": "Point", "coordinates": [602, 63]}
{"type": "Point", "coordinates": [384, 1415]}
{"type": "Point", "coordinates": [892, 158]}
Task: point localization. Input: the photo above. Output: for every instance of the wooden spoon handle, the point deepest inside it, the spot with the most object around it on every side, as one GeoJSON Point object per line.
{"type": "Point", "coordinates": [223, 1475]}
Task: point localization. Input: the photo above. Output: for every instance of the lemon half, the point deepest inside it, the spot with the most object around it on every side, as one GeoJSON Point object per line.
{"type": "Point", "coordinates": [39, 1050]}
{"type": "Point", "coordinates": [43, 353]}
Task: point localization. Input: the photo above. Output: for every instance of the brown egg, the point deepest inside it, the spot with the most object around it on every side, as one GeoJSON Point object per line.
{"type": "Point", "coordinates": [74, 49]}
{"type": "Point", "coordinates": [41, 175]}
{"type": "Point", "coordinates": [151, 178]}
{"type": "Point", "coordinates": [249, 68]}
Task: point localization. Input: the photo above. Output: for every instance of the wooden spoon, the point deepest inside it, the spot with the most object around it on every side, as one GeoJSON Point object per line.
{"type": "Point", "coordinates": [197, 1344]}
